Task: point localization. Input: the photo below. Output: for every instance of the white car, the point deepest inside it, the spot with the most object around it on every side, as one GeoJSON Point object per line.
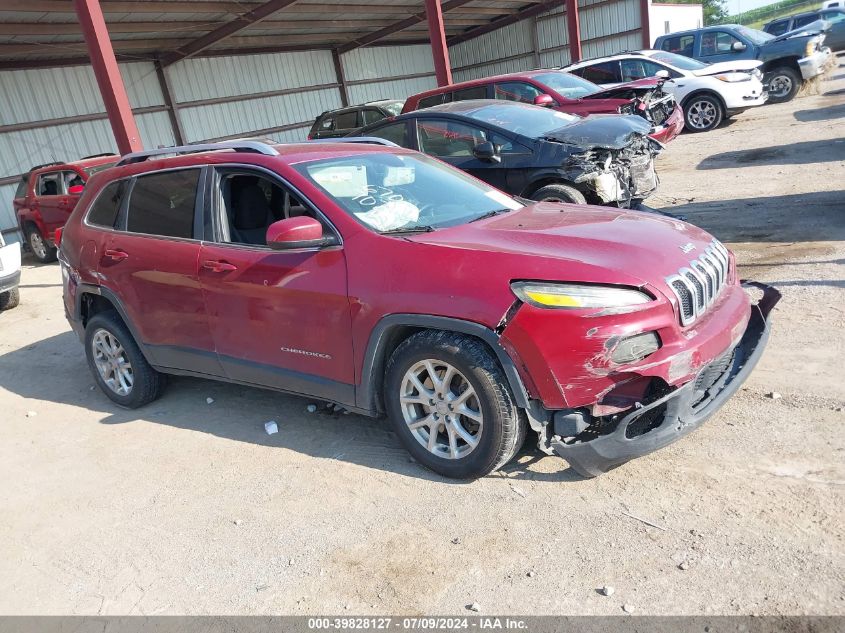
{"type": "Point", "coordinates": [10, 274]}
{"type": "Point", "coordinates": [707, 93]}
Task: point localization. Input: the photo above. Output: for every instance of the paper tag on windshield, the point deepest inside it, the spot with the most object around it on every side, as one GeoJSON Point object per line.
{"type": "Point", "coordinates": [396, 176]}
{"type": "Point", "coordinates": [500, 198]}
{"type": "Point", "coordinates": [341, 181]}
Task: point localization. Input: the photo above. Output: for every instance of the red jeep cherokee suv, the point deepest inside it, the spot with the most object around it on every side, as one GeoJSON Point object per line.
{"type": "Point", "coordinates": [47, 194]}
{"type": "Point", "coordinates": [385, 281]}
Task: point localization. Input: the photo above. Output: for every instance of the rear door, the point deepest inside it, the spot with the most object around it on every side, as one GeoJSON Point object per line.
{"type": "Point", "coordinates": [51, 201]}
{"type": "Point", "coordinates": [280, 319]}
{"type": "Point", "coordinates": [150, 263]}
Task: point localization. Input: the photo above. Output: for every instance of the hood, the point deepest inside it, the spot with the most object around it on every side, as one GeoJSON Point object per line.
{"type": "Point", "coordinates": [726, 67]}
{"type": "Point", "coordinates": [624, 91]}
{"type": "Point", "coordinates": [808, 30]}
{"type": "Point", "coordinates": [560, 242]}
{"type": "Point", "coordinates": [609, 131]}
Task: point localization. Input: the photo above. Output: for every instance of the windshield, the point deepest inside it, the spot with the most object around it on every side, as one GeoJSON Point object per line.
{"type": "Point", "coordinates": [527, 120]}
{"type": "Point", "coordinates": [756, 37]}
{"type": "Point", "coordinates": [679, 61]}
{"type": "Point", "coordinates": [394, 192]}
{"type": "Point", "coordinates": [98, 168]}
{"type": "Point", "coordinates": [566, 85]}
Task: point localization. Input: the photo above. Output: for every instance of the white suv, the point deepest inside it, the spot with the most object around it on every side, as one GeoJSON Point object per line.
{"type": "Point", "coordinates": [10, 274]}
{"type": "Point", "coordinates": [708, 93]}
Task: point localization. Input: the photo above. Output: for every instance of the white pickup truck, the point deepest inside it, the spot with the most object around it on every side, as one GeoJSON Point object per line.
{"type": "Point", "coordinates": [10, 274]}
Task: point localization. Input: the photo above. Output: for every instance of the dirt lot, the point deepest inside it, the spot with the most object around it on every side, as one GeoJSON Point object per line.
{"type": "Point", "coordinates": [186, 507]}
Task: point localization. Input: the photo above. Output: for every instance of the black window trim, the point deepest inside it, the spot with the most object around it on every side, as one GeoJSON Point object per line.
{"type": "Point", "coordinates": [123, 213]}
{"type": "Point", "coordinates": [212, 212]}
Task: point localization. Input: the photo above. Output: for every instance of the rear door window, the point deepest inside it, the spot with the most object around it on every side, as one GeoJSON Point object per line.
{"type": "Point", "coordinates": [804, 20]}
{"type": "Point", "coordinates": [476, 92]}
{"type": "Point", "coordinates": [371, 115]}
{"type": "Point", "coordinates": [603, 73]}
{"type": "Point", "coordinates": [394, 132]}
{"type": "Point", "coordinates": [346, 120]}
{"type": "Point", "coordinates": [163, 204]}
{"type": "Point", "coordinates": [107, 205]}
{"type": "Point", "coordinates": [50, 184]}
{"type": "Point", "coordinates": [679, 44]}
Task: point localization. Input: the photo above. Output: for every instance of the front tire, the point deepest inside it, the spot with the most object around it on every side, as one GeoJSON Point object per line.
{"type": "Point", "coordinates": [559, 193]}
{"type": "Point", "coordinates": [10, 299]}
{"type": "Point", "coordinates": [43, 252]}
{"type": "Point", "coordinates": [451, 406]}
{"type": "Point", "coordinates": [118, 365]}
{"type": "Point", "coordinates": [703, 113]}
{"type": "Point", "coordinates": [784, 83]}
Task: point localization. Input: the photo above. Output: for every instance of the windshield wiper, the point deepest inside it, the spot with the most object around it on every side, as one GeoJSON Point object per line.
{"type": "Point", "coordinates": [403, 230]}
{"type": "Point", "coordinates": [489, 214]}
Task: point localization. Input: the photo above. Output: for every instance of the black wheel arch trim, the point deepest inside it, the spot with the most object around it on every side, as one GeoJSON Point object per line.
{"type": "Point", "coordinates": [111, 297]}
{"type": "Point", "coordinates": [375, 355]}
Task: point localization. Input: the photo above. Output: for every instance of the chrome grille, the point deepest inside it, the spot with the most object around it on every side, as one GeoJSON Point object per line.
{"type": "Point", "coordinates": [700, 284]}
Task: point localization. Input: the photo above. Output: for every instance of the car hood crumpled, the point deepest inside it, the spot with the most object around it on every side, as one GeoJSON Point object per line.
{"type": "Point", "coordinates": [608, 131]}
{"type": "Point", "coordinates": [579, 243]}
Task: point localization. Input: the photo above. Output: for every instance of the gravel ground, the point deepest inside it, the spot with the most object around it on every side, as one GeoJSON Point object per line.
{"type": "Point", "coordinates": [189, 507]}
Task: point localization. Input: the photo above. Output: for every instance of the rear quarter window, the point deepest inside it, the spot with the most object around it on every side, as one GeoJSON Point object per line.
{"type": "Point", "coordinates": [433, 100]}
{"type": "Point", "coordinates": [163, 204]}
{"type": "Point", "coordinates": [23, 183]}
{"type": "Point", "coordinates": [105, 208]}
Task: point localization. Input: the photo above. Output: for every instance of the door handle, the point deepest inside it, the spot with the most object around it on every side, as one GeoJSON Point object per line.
{"type": "Point", "coordinates": [219, 267]}
{"type": "Point", "coordinates": [115, 255]}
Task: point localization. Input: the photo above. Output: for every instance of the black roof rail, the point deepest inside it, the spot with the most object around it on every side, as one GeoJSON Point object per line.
{"type": "Point", "coordinates": [373, 140]}
{"type": "Point", "coordinates": [57, 162]}
{"type": "Point", "coordinates": [247, 146]}
{"type": "Point", "coordinates": [104, 154]}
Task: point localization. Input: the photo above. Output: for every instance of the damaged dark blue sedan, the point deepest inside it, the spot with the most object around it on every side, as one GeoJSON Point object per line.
{"type": "Point", "coordinates": [535, 152]}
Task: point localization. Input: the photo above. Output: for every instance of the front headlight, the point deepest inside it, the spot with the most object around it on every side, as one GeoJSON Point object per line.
{"type": "Point", "coordinates": [733, 77]}
{"type": "Point", "coordinates": [810, 49]}
{"type": "Point", "coordinates": [574, 296]}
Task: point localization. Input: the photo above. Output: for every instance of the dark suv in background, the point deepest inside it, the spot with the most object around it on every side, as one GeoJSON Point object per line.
{"type": "Point", "coordinates": [337, 123]}
{"type": "Point", "coordinates": [834, 37]}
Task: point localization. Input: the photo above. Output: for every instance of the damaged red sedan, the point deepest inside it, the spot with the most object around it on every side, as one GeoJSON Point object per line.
{"type": "Point", "coordinates": [568, 93]}
{"type": "Point", "coordinates": [386, 281]}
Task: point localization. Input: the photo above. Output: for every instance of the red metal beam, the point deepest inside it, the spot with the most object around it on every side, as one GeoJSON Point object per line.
{"type": "Point", "coordinates": [107, 73]}
{"type": "Point", "coordinates": [645, 23]}
{"type": "Point", "coordinates": [230, 28]}
{"type": "Point", "coordinates": [573, 27]}
{"type": "Point", "coordinates": [439, 49]}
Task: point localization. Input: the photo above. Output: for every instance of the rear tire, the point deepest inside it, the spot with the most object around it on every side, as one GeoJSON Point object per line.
{"type": "Point", "coordinates": [10, 299]}
{"type": "Point", "coordinates": [474, 434]}
{"type": "Point", "coordinates": [559, 192]}
{"type": "Point", "coordinates": [43, 252]}
{"type": "Point", "coordinates": [118, 366]}
{"type": "Point", "coordinates": [703, 113]}
{"type": "Point", "coordinates": [784, 83]}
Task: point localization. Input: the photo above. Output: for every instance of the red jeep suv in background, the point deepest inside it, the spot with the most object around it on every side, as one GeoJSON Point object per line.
{"type": "Point", "coordinates": [385, 281]}
{"type": "Point", "coordinates": [47, 194]}
{"type": "Point", "coordinates": [567, 93]}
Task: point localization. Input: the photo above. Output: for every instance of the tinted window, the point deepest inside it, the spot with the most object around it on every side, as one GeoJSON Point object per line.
{"type": "Point", "coordinates": [346, 120]}
{"type": "Point", "coordinates": [803, 21]}
{"type": "Point", "coordinates": [327, 123]}
{"type": "Point", "coordinates": [680, 44]}
{"type": "Point", "coordinates": [372, 116]}
{"type": "Point", "coordinates": [105, 208]}
{"type": "Point", "coordinates": [433, 100]}
{"type": "Point", "coordinates": [778, 28]}
{"type": "Point", "coordinates": [163, 204]}
{"type": "Point", "coordinates": [603, 73]}
{"type": "Point", "coordinates": [517, 91]}
{"type": "Point", "coordinates": [394, 132]}
{"type": "Point", "coordinates": [478, 92]}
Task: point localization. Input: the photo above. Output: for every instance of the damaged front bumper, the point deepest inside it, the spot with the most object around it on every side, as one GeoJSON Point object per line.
{"type": "Point", "coordinates": [673, 415]}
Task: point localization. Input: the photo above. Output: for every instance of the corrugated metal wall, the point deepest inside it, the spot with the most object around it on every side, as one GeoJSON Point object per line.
{"type": "Point", "coordinates": [29, 96]}
{"type": "Point", "coordinates": [481, 54]}
{"type": "Point", "coordinates": [408, 70]}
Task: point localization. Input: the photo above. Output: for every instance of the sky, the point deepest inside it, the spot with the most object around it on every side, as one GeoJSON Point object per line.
{"type": "Point", "coordinates": [735, 6]}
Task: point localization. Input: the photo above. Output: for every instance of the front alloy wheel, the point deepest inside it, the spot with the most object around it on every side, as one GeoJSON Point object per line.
{"type": "Point", "coordinates": [441, 409]}
{"type": "Point", "coordinates": [703, 114]}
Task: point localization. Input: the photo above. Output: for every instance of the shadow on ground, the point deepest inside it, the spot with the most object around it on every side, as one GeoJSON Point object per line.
{"type": "Point", "coordinates": [806, 152]}
{"type": "Point", "coordinates": [806, 217]}
{"type": "Point", "coordinates": [238, 414]}
{"type": "Point", "coordinates": [820, 114]}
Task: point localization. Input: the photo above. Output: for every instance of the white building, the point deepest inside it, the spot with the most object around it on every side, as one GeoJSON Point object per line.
{"type": "Point", "coordinates": [667, 18]}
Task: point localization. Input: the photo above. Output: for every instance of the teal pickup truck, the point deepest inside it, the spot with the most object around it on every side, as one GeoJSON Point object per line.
{"type": "Point", "coordinates": [788, 60]}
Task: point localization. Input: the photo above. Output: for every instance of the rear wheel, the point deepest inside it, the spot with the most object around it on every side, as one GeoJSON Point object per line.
{"type": "Point", "coordinates": [559, 193]}
{"type": "Point", "coordinates": [703, 113]}
{"type": "Point", "coordinates": [43, 252]}
{"type": "Point", "coordinates": [784, 83]}
{"type": "Point", "coordinates": [10, 299]}
{"type": "Point", "coordinates": [450, 404]}
{"type": "Point", "coordinates": [117, 363]}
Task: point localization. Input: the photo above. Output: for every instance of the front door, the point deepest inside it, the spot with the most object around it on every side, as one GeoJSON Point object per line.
{"type": "Point", "coordinates": [280, 319]}
{"type": "Point", "coordinates": [52, 201]}
{"type": "Point", "coordinates": [150, 263]}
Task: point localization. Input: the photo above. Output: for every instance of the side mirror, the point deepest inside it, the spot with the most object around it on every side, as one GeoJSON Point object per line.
{"type": "Point", "coordinates": [545, 101]}
{"type": "Point", "coordinates": [738, 47]}
{"type": "Point", "coordinates": [662, 74]}
{"type": "Point", "coordinates": [75, 189]}
{"type": "Point", "coordinates": [486, 151]}
{"type": "Point", "coordinates": [299, 232]}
